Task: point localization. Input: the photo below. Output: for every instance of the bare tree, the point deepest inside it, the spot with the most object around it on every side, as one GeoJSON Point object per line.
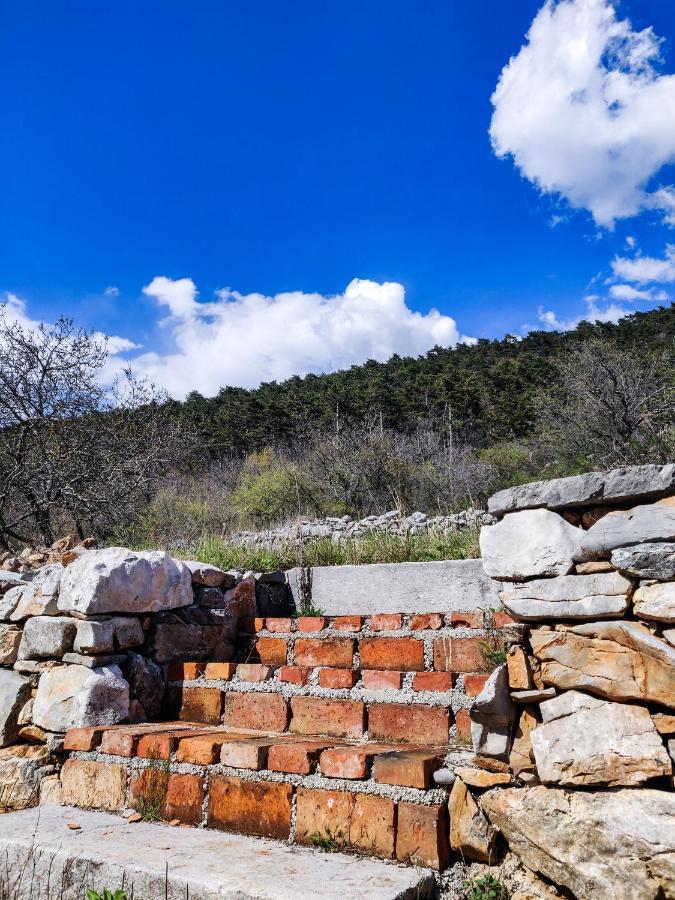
{"type": "Point", "coordinates": [73, 450]}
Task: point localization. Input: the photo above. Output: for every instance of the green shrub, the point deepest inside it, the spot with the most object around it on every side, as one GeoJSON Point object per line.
{"type": "Point", "coordinates": [266, 489]}
{"type": "Point", "coordinates": [107, 894]}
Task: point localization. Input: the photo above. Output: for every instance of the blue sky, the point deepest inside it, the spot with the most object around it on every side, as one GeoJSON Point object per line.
{"type": "Point", "coordinates": [288, 149]}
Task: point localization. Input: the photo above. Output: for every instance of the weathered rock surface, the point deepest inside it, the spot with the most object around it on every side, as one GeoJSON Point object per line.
{"type": "Point", "coordinates": [94, 636]}
{"type": "Point", "coordinates": [9, 602]}
{"type": "Point", "coordinates": [518, 668]}
{"type": "Point", "coordinates": [598, 596]}
{"type": "Point", "coordinates": [10, 638]}
{"type": "Point", "coordinates": [529, 544]}
{"type": "Point", "coordinates": [21, 768]}
{"type": "Point", "coordinates": [646, 560]}
{"type": "Point", "coordinates": [146, 683]}
{"type": "Point", "coordinates": [47, 637]}
{"type": "Point", "coordinates": [40, 596]}
{"type": "Point", "coordinates": [624, 528]}
{"type": "Point", "coordinates": [480, 778]}
{"type": "Point", "coordinates": [75, 696]}
{"type": "Point", "coordinates": [616, 660]}
{"type": "Point", "coordinates": [586, 741]}
{"type": "Point", "coordinates": [599, 844]}
{"type": "Point", "coordinates": [9, 580]}
{"type": "Point", "coordinates": [210, 576]}
{"type": "Point", "coordinates": [14, 693]}
{"type": "Point", "coordinates": [180, 641]}
{"type": "Point", "coordinates": [119, 580]}
{"type": "Point", "coordinates": [470, 832]}
{"type": "Point", "coordinates": [655, 602]}
{"type": "Point", "coordinates": [521, 759]}
{"type": "Point", "coordinates": [637, 483]}
{"type": "Point", "coordinates": [492, 716]}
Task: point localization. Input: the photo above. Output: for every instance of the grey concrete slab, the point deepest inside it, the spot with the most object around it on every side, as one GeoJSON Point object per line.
{"type": "Point", "coordinates": [42, 859]}
{"type": "Point", "coordinates": [409, 587]}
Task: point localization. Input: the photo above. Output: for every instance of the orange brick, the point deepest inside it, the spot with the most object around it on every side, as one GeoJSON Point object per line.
{"type": "Point", "coordinates": [258, 624]}
{"type": "Point", "coordinates": [279, 626]}
{"type": "Point", "coordinates": [426, 621]}
{"type": "Point", "coordinates": [386, 622]}
{"type": "Point", "coordinates": [200, 751]}
{"type": "Point", "coordinates": [347, 623]}
{"type": "Point", "coordinates": [463, 723]}
{"type": "Point", "coordinates": [502, 619]}
{"type": "Point", "coordinates": [350, 762]}
{"type": "Point", "coordinates": [253, 672]}
{"type": "Point", "coordinates": [185, 671]}
{"type": "Point", "coordinates": [338, 678]}
{"type": "Point", "coordinates": [201, 705]}
{"type": "Point", "coordinates": [294, 674]}
{"type": "Point", "coordinates": [337, 653]}
{"type": "Point", "coordinates": [375, 680]}
{"type": "Point", "coordinates": [432, 681]}
{"type": "Point", "coordinates": [124, 741]}
{"type": "Point", "coordinates": [474, 684]}
{"type": "Point", "coordinates": [161, 744]}
{"type": "Point", "coordinates": [422, 835]}
{"type": "Point", "coordinates": [83, 738]}
{"type": "Point", "coordinates": [311, 623]}
{"type": "Point", "coordinates": [296, 758]}
{"type": "Point", "coordinates": [337, 718]}
{"type": "Point", "coordinates": [262, 712]}
{"type": "Point", "coordinates": [272, 651]}
{"type": "Point", "coordinates": [392, 653]}
{"type": "Point", "coordinates": [409, 769]}
{"type": "Point", "coordinates": [245, 753]}
{"type": "Point", "coordinates": [183, 795]}
{"type": "Point", "coordinates": [467, 618]}
{"type": "Point", "coordinates": [458, 654]}
{"type": "Point", "coordinates": [414, 724]}
{"type": "Point", "coordinates": [347, 819]}
{"type": "Point", "coordinates": [224, 671]}
{"type": "Point", "coordinates": [259, 808]}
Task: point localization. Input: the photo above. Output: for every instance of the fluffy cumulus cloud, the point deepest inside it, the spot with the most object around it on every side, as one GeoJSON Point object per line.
{"type": "Point", "coordinates": [586, 114]}
{"type": "Point", "coordinates": [596, 311]}
{"type": "Point", "coordinates": [244, 339]}
{"type": "Point", "coordinates": [645, 269]}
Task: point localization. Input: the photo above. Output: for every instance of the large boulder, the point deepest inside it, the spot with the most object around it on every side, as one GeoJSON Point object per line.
{"type": "Point", "coordinates": [119, 580]}
{"type": "Point", "coordinates": [624, 528]}
{"type": "Point", "coordinates": [646, 560]}
{"type": "Point", "coordinates": [75, 696]}
{"type": "Point", "coordinates": [587, 741]}
{"type": "Point", "coordinates": [529, 544]}
{"type": "Point", "coordinates": [600, 596]}
{"type": "Point", "coordinates": [615, 660]}
{"type": "Point", "coordinates": [40, 596]}
{"type": "Point", "coordinates": [47, 637]}
{"type": "Point", "coordinates": [656, 602]}
{"type": "Point", "coordinates": [492, 717]}
{"type": "Point", "coordinates": [599, 844]}
{"type": "Point", "coordinates": [14, 693]}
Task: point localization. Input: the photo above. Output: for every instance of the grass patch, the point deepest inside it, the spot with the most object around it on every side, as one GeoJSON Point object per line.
{"type": "Point", "coordinates": [153, 784]}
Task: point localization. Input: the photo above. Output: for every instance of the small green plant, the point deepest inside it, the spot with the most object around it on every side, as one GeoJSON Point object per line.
{"type": "Point", "coordinates": [151, 790]}
{"type": "Point", "coordinates": [107, 894]}
{"type": "Point", "coordinates": [326, 843]}
{"type": "Point", "coordinates": [486, 887]}
{"type": "Point", "coordinates": [492, 648]}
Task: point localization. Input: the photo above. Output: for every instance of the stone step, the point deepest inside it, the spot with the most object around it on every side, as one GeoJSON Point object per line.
{"type": "Point", "coordinates": [44, 859]}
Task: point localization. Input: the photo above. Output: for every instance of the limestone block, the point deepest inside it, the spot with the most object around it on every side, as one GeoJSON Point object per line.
{"type": "Point", "coordinates": [529, 544]}
{"type": "Point", "coordinates": [39, 597]}
{"type": "Point", "coordinates": [470, 832]}
{"type": "Point", "coordinates": [21, 768]}
{"type": "Point", "coordinates": [597, 596]}
{"type": "Point", "coordinates": [10, 580]}
{"type": "Point", "coordinates": [10, 638]}
{"type": "Point", "coordinates": [9, 602]}
{"type": "Point", "coordinates": [518, 667]}
{"type": "Point", "coordinates": [521, 758]}
{"type": "Point", "coordinates": [624, 528]}
{"type": "Point", "coordinates": [94, 636]}
{"type": "Point", "coordinates": [650, 560]}
{"type": "Point", "coordinates": [118, 580]}
{"type": "Point", "coordinates": [492, 716]}
{"type": "Point", "coordinates": [75, 696]}
{"type": "Point", "coordinates": [47, 637]}
{"type": "Point", "coordinates": [128, 632]}
{"type": "Point", "coordinates": [14, 693]}
{"type": "Point", "coordinates": [655, 602]}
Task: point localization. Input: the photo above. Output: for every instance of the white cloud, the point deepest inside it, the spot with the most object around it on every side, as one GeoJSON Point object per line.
{"type": "Point", "coordinates": [111, 291]}
{"type": "Point", "coordinates": [645, 269]}
{"type": "Point", "coordinates": [629, 293]}
{"type": "Point", "coordinates": [610, 312]}
{"type": "Point", "coordinates": [585, 114]}
{"type": "Point", "coordinates": [244, 339]}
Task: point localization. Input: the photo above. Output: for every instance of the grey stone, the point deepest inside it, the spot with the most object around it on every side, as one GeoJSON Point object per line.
{"type": "Point", "coordinates": [212, 597]}
{"type": "Point", "coordinates": [127, 632]}
{"type": "Point", "coordinates": [116, 580]}
{"type": "Point", "coordinates": [10, 579]}
{"type": "Point", "coordinates": [598, 596]}
{"type": "Point", "coordinates": [156, 862]}
{"type": "Point", "coordinates": [591, 489]}
{"type": "Point", "coordinates": [669, 635]}
{"type": "Point", "coordinates": [601, 844]}
{"type": "Point", "coordinates": [399, 587]}
{"type": "Point", "coordinates": [146, 683]}
{"type": "Point", "coordinates": [203, 573]}
{"type": "Point", "coordinates": [529, 544]}
{"type": "Point", "coordinates": [646, 560]}
{"type": "Point", "coordinates": [444, 776]}
{"type": "Point", "coordinates": [21, 769]}
{"type": "Point", "coordinates": [584, 741]}
{"type": "Point", "coordinates": [533, 696]}
{"type": "Point", "coordinates": [35, 666]}
{"type": "Point", "coordinates": [47, 637]}
{"type": "Point", "coordinates": [93, 636]}
{"type": "Point", "coordinates": [9, 602]}
{"type": "Point", "coordinates": [10, 638]}
{"type": "Point", "coordinates": [655, 602]}
{"type": "Point", "coordinates": [176, 642]}
{"type": "Point", "coordinates": [94, 662]}
{"type": "Point", "coordinates": [624, 528]}
{"type": "Point", "coordinates": [14, 694]}
{"type": "Point", "coordinates": [40, 596]}
{"type": "Point", "coordinates": [492, 717]}
{"type": "Point", "coordinates": [75, 696]}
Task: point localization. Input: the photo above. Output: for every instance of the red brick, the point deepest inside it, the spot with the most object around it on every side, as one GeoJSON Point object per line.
{"type": "Point", "coordinates": [294, 674]}
{"type": "Point", "coordinates": [347, 623]}
{"type": "Point", "coordinates": [458, 654]}
{"type": "Point", "coordinates": [201, 705]}
{"type": "Point", "coordinates": [346, 819]}
{"type": "Point", "coordinates": [392, 653]}
{"type": "Point", "coordinates": [414, 724]}
{"type": "Point", "coordinates": [253, 672]}
{"type": "Point", "coordinates": [259, 808]}
{"type": "Point", "coordinates": [201, 751]}
{"type": "Point", "coordinates": [183, 794]}
{"type": "Point", "coordinates": [272, 651]}
{"type": "Point", "coordinates": [262, 712]}
{"type": "Point", "coordinates": [502, 619]}
{"type": "Point", "coordinates": [432, 681]}
{"type": "Point", "coordinates": [409, 769]}
{"type": "Point", "coordinates": [350, 762]}
{"type": "Point", "coordinates": [375, 680]}
{"type": "Point", "coordinates": [338, 678]}
{"type": "Point", "coordinates": [279, 626]}
{"type": "Point", "coordinates": [422, 835]}
{"type": "Point", "coordinates": [426, 621]}
{"type": "Point", "coordinates": [185, 671]}
{"type": "Point", "coordinates": [474, 684]}
{"type": "Point", "coordinates": [161, 744]}
{"type": "Point", "coordinates": [463, 723]}
{"type": "Point", "coordinates": [83, 738]}
{"type": "Point", "coordinates": [123, 741]}
{"type": "Point", "coordinates": [295, 758]}
{"type": "Point", "coordinates": [467, 618]}
{"type": "Point", "coordinates": [245, 753]}
{"type": "Point", "coordinates": [311, 623]}
{"type": "Point", "coordinates": [337, 653]}
{"type": "Point", "coordinates": [223, 671]}
{"type": "Point", "coordinates": [386, 622]}
{"type": "Point", "coordinates": [337, 718]}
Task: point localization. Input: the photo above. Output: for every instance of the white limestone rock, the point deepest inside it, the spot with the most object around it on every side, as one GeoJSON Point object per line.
{"type": "Point", "coordinates": [40, 596]}
{"type": "Point", "coordinates": [650, 560]}
{"type": "Point", "coordinates": [599, 596]}
{"type": "Point", "coordinates": [10, 638]}
{"type": "Point", "coordinates": [656, 602]}
{"type": "Point", "coordinates": [94, 636]}
{"type": "Point", "coordinates": [625, 528]}
{"type": "Point", "coordinates": [75, 696]}
{"type": "Point", "coordinates": [9, 602]}
{"type": "Point", "coordinates": [492, 717]}
{"type": "Point", "coordinates": [47, 637]}
{"type": "Point", "coordinates": [116, 580]}
{"type": "Point", "coordinates": [529, 544]}
{"type": "Point", "coordinates": [14, 694]}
